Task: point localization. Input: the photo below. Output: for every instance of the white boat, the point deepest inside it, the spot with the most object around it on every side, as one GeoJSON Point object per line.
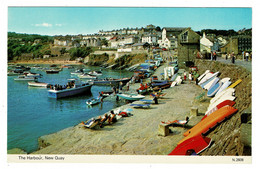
{"type": "Point", "coordinates": [86, 76]}
{"type": "Point", "coordinates": [131, 96]}
{"type": "Point", "coordinates": [93, 101]}
{"type": "Point", "coordinates": [30, 74]}
{"type": "Point", "coordinates": [77, 72]}
{"type": "Point", "coordinates": [75, 88]}
{"type": "Point", "coordinates": [38, 84]}
{"type": "Point", "coordinates": [25, 78]}
{"type": "Point", "coordinates": [95, 73]}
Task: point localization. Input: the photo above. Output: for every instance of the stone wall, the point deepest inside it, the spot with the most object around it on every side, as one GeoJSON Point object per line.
{"type": "Point", "coordinates": [227, 137]}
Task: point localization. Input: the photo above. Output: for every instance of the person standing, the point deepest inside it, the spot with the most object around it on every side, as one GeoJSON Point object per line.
{"type": "Point", "coordinates": [233, 58]}
{"type": "Point", "coordinates": [185, 76]}
{"type": "Point", "coordinates": [190, 77]}
{"type": "Point", "coordinates": [247, 56]}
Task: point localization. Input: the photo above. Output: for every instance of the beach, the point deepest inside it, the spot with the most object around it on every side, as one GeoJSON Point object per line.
{"type": "Point", "coordinates": [134, 135]}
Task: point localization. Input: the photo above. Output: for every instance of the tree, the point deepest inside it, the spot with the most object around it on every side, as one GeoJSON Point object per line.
{"type": "Point", "coordinates": [63, 50]}
{"type": "Point", "coordinates": [104, 42]}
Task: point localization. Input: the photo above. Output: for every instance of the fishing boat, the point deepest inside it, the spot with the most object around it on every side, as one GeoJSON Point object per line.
{"type": "Point", "coordinates": [93, 101]}
{"type": "Point", "coordinates": [75, 88]}
{"type": "Point", "coordinates": [193, 145]}
{"type": "Point", "coordinates": [131, 96]}
{"type": "Point", "coordinates": [38, 84]}
{"type": "Point", "coordinates": [25, 78]}
{"type": "Point", "coordinates": [110, 81]}
{"type": "Point", "coordinates": [86, 76]}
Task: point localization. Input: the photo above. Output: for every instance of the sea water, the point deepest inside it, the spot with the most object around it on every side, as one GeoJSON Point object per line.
{"type": "Point", "coordinates": [31, 113]}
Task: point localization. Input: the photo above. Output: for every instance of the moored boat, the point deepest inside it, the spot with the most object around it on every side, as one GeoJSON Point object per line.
{"type": "Point", "coordinates": [86, 76]}
{"type": "Point", "coordinates": [95, 73]}
{"type": "Point", "coordinates": [25, 78]}
{"type": "Point", "coordinates": [38, 84]}
{"type": "Point", "coordinates": [52, 71]}
{"type": "Point", "coordinates": [93, 101]}
{"type": "Point", "coordinates": [75, 88]}
{"type": "Point", "coordinates": [110, 81]}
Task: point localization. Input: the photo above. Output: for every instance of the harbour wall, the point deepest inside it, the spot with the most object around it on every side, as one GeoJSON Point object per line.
{"type": "Point", "coordinates": [233, 136]}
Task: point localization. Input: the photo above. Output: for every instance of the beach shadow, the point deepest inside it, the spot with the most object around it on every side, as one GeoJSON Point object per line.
{"type": "Point", "coordinates": [174, 132]}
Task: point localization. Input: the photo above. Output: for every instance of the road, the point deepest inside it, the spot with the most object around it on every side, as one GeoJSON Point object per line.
{"type": "Point", "coordinates": [245, 64]}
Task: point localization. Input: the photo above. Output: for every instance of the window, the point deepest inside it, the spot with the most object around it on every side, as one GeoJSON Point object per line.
{"type": "Point", "coordinates": [184, 37]}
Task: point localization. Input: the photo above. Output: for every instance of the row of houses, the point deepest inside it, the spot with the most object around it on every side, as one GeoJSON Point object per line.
{"type": "Point", "coordinates": [167, 37]}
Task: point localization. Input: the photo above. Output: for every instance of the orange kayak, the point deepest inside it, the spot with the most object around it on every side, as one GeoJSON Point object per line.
{"type": "Point", "coordinates": [209, 122]}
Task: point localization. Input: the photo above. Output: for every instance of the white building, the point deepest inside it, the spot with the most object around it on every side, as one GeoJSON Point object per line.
{"type": "Point", "coordinates": [151, 39]}
{"type": "Point", "coordinates": [169, 37]}
{"type": "Point", "coordinates": [205, 44]}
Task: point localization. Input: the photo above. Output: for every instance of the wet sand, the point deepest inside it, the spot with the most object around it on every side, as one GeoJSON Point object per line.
{"type": "Point", "coordinates": [134, 135]}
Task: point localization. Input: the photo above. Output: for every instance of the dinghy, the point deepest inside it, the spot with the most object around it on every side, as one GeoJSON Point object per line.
{"type": "Point", "coordinates": [131, 96]}
{"type": "Point", "coordinates": [193, 145]}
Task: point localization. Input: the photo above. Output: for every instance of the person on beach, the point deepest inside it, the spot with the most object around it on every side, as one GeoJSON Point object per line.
{"type": "Point", "coordinates": [112, 117]}
{"type": "Point", "coordinates": [155, 99]}
{"type": "Point", "coordinates": [103, 120]}
{"type": "Point", "coordinates": [190, 77]}
{"type": "Point", "coordinates": [185, 76]}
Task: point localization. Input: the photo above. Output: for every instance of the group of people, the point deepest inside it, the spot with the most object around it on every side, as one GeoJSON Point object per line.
{"type": "Point", "coordinates": [109, 118]}
{"type": "Point", "coordinates": [193, 75]}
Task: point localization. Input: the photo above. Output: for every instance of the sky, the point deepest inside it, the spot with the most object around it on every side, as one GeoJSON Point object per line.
{"type": "Point", "coordinates": [89, 20]}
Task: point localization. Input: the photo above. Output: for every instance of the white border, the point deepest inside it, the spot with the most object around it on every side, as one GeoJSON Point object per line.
{"type": "Point", "coordinates": [129, 3]}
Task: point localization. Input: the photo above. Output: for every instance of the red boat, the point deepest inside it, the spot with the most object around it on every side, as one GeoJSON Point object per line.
{"type": "Point", "coordinates": [192, 146]}
{"type": "Point", "coordinates": [222, 104]}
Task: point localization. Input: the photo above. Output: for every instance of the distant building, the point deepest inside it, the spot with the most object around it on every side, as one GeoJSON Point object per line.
{"type": "Point", "coordinates": [238, 44]}
{"type": "Point", "coordinates": [188, 46]}
{"type": "Point", "coordinates": [140, 46]}
{"type": "Point", "coordinates": [169, 38]}
{"type": "Point", "coordinates": [151, 39]}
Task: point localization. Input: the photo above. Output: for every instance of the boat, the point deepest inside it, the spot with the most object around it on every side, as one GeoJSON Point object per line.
{"type": "Point", "coordinates": [131, 96]}
{"type": "Point", "coordinates": [77, 72]}
{"type": "Point", "coordinates": [107, 92]}
{"type": "Point", "coordinates": [235, 84]}
{"type": "Point", "coordinates": [193, 145]}
{"type": "Point", "coordinates": [52, 71]}
{"type": "Point", "coordinates": [211, 121]}
{"type": "Point", "coordinates": [25, 78]}
{"type": "Point", "coordinates": [38, 84]}
{"type": "Point", "coordinates": [110, 81]}
{"type": "Point", "coordinates": [201, 76]}
{"type": "Point", "coordinates": [95, 73]}
{"type": "Point", "coordinates": [222, 104]}
{"type": "Point", "coordinates": [213, 90]}
{"type": "Point", "coordinates": [140, 105]}
{"type": "Point", "coordinates": [76, 88]}
{"type": "Point", "coordinates": [30, 74]}
{"type": "Point", "coordinates": [93, 101]}
{"type": "Point", "coordinates": [86, 76]}
{"type": "Point", "coordinates": [223, 87]}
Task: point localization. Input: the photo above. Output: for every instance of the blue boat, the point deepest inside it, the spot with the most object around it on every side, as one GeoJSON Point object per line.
{"type": "Point", "coordinates": [76, 89]}
{"type": "Point", "coordinates": [131, 96]}
{"type": "Point", "coordinates": [213, 90]}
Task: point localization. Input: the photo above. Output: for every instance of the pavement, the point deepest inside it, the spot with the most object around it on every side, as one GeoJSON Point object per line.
{"type": "Point", "coordinates": [245, 64]}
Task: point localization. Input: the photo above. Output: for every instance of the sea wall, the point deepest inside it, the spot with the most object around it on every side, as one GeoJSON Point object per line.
{"type": "Point", "coordinates": [233, 136]}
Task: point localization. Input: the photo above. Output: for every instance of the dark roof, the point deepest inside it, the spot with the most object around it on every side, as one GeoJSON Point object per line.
{"type": "Point", "coordinates": [141, 44]}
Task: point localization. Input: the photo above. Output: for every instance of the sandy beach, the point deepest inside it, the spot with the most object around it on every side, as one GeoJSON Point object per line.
{"type": "Point", "coordinates": [134, 135]}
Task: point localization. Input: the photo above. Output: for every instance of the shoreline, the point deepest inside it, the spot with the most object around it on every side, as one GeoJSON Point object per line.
{"type": "Point", "coordinates": [134, 135]}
